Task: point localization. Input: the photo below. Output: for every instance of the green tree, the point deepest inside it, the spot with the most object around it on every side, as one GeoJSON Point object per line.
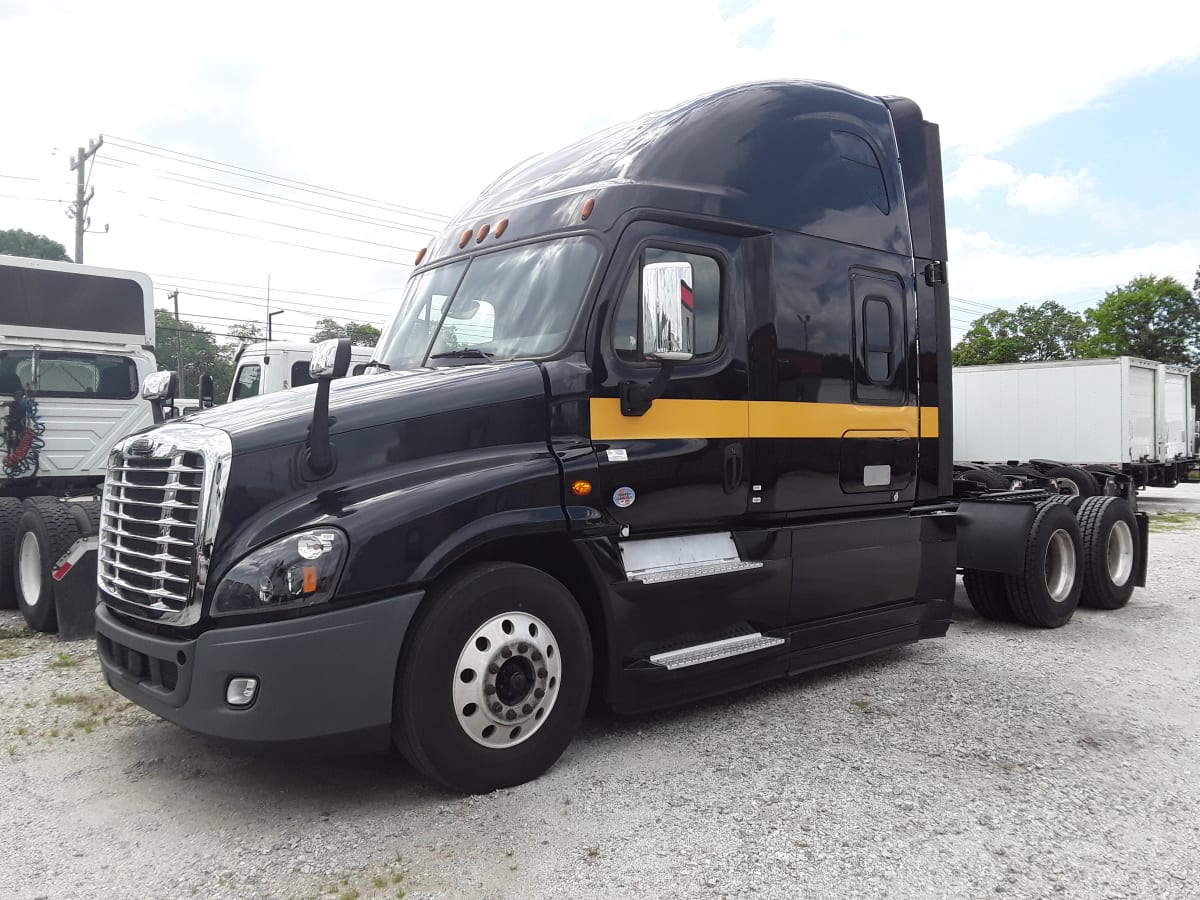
{"type": "Point", "coordinates": [201, 354]}
{"type": "Point", "coordinates": [17, 242]}
{"type": "Point", "coordinates": [1027, 334]}
{"type": "Point", "coordinates": [360, 333]}
{"type": "Point", "coordinates": [246, 332]}
{"type": "Point", "coordinates": [1154, 318]}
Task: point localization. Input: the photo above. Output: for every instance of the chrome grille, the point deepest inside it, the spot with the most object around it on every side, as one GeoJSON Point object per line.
{"type": "Point", "coordinates": [161, 502]}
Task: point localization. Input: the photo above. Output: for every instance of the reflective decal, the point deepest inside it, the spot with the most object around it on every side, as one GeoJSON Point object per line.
{"type": "Point", "coordinates": [624, 496]}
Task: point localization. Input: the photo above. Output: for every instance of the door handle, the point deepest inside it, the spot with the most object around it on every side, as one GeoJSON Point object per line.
{"type": "Point", "coordinates": [734, 466]}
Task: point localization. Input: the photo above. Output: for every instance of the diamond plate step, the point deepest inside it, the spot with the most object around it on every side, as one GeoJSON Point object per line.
{"type": "Point", "coordinates": [704, 653]}
{"type": "Point", "coordinates": [679, 573]}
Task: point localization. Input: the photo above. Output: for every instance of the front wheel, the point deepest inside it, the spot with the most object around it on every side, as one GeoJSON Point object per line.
{"type": "Point", "coordinates": [495, 678]}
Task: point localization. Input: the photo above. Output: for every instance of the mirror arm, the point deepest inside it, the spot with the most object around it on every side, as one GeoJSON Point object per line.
{"type": "Point", "coordinates": [320, 450]}
{"type": "Point", "coordinates": [156, 411]}
{"type": "Point", "coordinates": [637, 397]}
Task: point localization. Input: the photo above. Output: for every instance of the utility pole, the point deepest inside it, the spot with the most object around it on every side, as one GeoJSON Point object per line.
{"type": "Point", "coordinates": [79, 209]}
{"type": "Point", "coordinates": [174, 295]}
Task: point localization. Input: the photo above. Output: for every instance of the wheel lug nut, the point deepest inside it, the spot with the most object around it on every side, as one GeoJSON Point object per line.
{"type": "Point", "coordinates": [527, 709]}
{"type": "Point", "coordinates": [496, 707]}
{"type": "Point", "coordinates": [542, 673]}
{"type": "Point", "coordinates": [489, 689]}
{"type": "Point", "coordinates": [506, 653]}
{"type": "Point", "coordinates": [539, 693]}
{"type": "Point", "coordinates": [493, 668]}
{"type": "Point", "coordinates": [510, 715]}
{"type": "Point", "coordinates": [536, 655]}
{"type": "Point", "coordinates": [522, 647]}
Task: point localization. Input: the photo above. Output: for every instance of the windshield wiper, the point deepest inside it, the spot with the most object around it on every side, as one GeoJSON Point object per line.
{"type": "Point", "coordinates": [465, 353]}
{"type": "Point", "coordinates": [375, 364]}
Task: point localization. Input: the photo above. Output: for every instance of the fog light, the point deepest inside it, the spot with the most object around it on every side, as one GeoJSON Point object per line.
{"type": "Point", "coordinates": [241, 691]}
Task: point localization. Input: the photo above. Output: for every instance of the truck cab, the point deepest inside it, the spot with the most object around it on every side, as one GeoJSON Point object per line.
{"type": "Point", "coordinates": [268, 366]}
{"type": "Point", "coordinates": [660, 415]}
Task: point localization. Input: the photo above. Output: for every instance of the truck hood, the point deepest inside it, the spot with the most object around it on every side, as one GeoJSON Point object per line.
{"type": "Point", "coordinates": [364, 401]}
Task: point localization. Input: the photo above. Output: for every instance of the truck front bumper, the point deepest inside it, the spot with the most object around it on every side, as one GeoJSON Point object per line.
{"type": "Point", "coordinates": [319, 676]}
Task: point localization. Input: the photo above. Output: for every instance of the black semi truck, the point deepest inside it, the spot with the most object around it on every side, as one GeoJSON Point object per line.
{"type": "Point", "coordinates": [660, 415]}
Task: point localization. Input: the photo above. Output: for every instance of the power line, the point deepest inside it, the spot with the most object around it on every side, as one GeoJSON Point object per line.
{"type": "Point", "coordinates": [275, 290]}
{"type": "Point", "coordinates": [255, 237]}
{"type": "Point", "coordinates": [36, 199]}
{"type": "Point", "coordinates": [266, 177]}
{"type": "Point", "coordinates": [262, 197]}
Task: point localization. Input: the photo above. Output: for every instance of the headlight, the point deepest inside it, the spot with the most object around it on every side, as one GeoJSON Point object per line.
{"type": "Point", "coordinates": [298, 570]}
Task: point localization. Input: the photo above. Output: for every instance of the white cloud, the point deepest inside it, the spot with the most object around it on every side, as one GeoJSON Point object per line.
{"type": "Point", "coordinates": [1036, 193]}
{"type": "Point", "coordinates": [976, 174]}
{"type": "Point", "coordinates": [989, 271]}
{"type": "Point", "coordinates": [1049, 194]}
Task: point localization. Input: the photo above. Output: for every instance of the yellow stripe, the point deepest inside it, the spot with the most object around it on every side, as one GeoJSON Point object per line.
{"type": "Point", "coordinates": [758, 419]}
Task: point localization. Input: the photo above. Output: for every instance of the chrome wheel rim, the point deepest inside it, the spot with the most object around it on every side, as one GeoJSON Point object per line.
{"type": "Point", "coordinates": [1060, 566]}
{"type": "Point", "coordinates": [29, 569]}
{"type": "Point", "coordinates": [1119, 553]}
{"type": "Point", "coordinates": [507, 680]}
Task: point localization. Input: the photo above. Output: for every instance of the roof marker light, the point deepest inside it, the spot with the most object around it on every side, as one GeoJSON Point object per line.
{"type": "Point", "coordinates": [588, 205]}
{"type": "Point", "coordinates": [482, 233]}
{"type": "Point", "coordinates": [466, 236]}
{"type": "Point", "coordinates": [500, 227]}
{"type": "Point", "coordinates": [420, 255]}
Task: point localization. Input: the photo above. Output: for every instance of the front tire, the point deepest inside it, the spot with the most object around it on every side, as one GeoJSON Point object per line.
{"type": "Point", "coordinates": [45, 532]}
{"type": "Point", "coordinates": [494, 680]}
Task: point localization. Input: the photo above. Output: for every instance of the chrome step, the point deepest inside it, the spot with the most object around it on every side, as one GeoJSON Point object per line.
{"type": "Point", "coordinates": [704, 653]}
{"type": "Point", "coordinates": [698, 571]}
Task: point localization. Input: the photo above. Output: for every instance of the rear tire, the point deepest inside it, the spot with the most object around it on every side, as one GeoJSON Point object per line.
{"type": "Point", "coordinates": [1073, 480]}
{"type": "Point", "coordinates": [1047, 591]}
{"type": "Point", "coordinates": [986, 592]}
{"type": "Point", "coordinates": [10, 514]}
{"type": "Point", "coordinates": [987, 478]}
{"type": "Point", "coordinates": [492, 632]}
{"type": "Point", "coordinates": [1112, 552]}
{"type": "Point", "coordinates": [44, 533]}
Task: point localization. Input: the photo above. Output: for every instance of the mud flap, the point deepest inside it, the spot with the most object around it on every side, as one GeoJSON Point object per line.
{"type": "Point", "coordinates": [74, 577]}
{"type": "Point", "coordinates": [1143, 527]}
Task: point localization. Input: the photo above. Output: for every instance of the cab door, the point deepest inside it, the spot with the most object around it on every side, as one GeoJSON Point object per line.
{"type": "Point", "coordinates": [679, 465]}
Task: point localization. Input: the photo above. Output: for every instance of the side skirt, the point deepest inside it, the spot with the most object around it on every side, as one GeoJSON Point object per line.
{"type": "Point", "coordinates": [647, 685]}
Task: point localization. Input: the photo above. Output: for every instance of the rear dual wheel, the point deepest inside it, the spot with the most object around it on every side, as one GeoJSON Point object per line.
{"type": "Point", "coordinates": [1112, 552]}
{"type": "Point", "coordinates": [495, 678]}
{"type": "Point", "coordinates": [1046, 593]}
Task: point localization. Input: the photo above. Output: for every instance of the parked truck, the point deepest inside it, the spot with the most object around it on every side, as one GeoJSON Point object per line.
{"type": "Point", "coordinates": [75, 343]}
{"type": "Point", "coordinates": [268, 366]}
{"type": "Point", "coordinates": [661, 415]}
{"type": "Point", "coordinates": [1078, 421]}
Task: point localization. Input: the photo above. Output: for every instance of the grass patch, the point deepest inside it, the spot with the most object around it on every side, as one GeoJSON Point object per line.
{"type": "Point", "coordinates": [12, 634]}
{"type": "Point", "coordinates": [68, 699]}
{"type": "Point", "coordinates": [1175, 521]}
{"type": "Point", "coordinates": [63, 661]}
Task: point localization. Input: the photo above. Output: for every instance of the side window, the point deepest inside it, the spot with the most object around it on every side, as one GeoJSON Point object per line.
{"type": "Point", "coordinates": [861, 172]}
{"type": "Point", "coordinates": [247, 381]}
{"type": "Point", "coordinates": [879, 339]}
{"type": "Point", "coordinates": [706, 299]}
{"type": "Point", "coordinates": [300, 376]}
{"type": "Point", "coordinates": [359, 369]}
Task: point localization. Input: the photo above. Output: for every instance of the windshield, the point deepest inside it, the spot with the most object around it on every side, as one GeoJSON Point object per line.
{"type": "Point", "coordinates": [55, 373]}
{"type": "Point", "coordinates": [513, 304]}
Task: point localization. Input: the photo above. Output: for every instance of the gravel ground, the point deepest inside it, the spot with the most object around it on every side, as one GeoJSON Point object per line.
{"type": "Point", "coordinates": [1000, 760]}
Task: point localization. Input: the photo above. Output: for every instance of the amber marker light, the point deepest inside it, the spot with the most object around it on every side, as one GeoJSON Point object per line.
{"type": "Point", "coordinates": [466, 236]}
{"type": "Point", "coordinates": [500, 228]}
{"type": "Point", "coordinates": [420, 255]}
{"type": "Point", "coordinates": [482, 233]}
{"type": "Point", "coordinates": [588, 205]}
{"type": "Point", "coordinates": [581, 488]}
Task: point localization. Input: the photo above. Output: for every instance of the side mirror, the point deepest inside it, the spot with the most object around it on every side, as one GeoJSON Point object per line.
{"type": "Point", "coordinates": [331, 359]}
{"type": "Point", "coordinates": [668, 313]}
{"type": "Point", "coordinates": [159, 389]}
{"type": "Point", "coordinates": [207, 391]}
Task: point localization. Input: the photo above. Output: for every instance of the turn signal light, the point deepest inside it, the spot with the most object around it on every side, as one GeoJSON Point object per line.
{"type": "Point", "coordinates": [581, 488]}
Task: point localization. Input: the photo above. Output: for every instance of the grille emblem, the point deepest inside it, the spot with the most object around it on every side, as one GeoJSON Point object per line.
{"type": "Point", "coordinates": [141, 446]}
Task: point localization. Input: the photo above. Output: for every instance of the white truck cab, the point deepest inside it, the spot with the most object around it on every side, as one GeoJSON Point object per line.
{"type": "Point", "coordinates": [266, 367]}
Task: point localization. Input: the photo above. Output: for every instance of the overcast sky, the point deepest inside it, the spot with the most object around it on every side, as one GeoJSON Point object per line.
{"type": "Point", "coordinates": [1069, 130]}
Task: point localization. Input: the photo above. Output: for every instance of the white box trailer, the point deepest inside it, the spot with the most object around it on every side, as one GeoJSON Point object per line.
{"type": "Point", "coordinates": [1122, 413]}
